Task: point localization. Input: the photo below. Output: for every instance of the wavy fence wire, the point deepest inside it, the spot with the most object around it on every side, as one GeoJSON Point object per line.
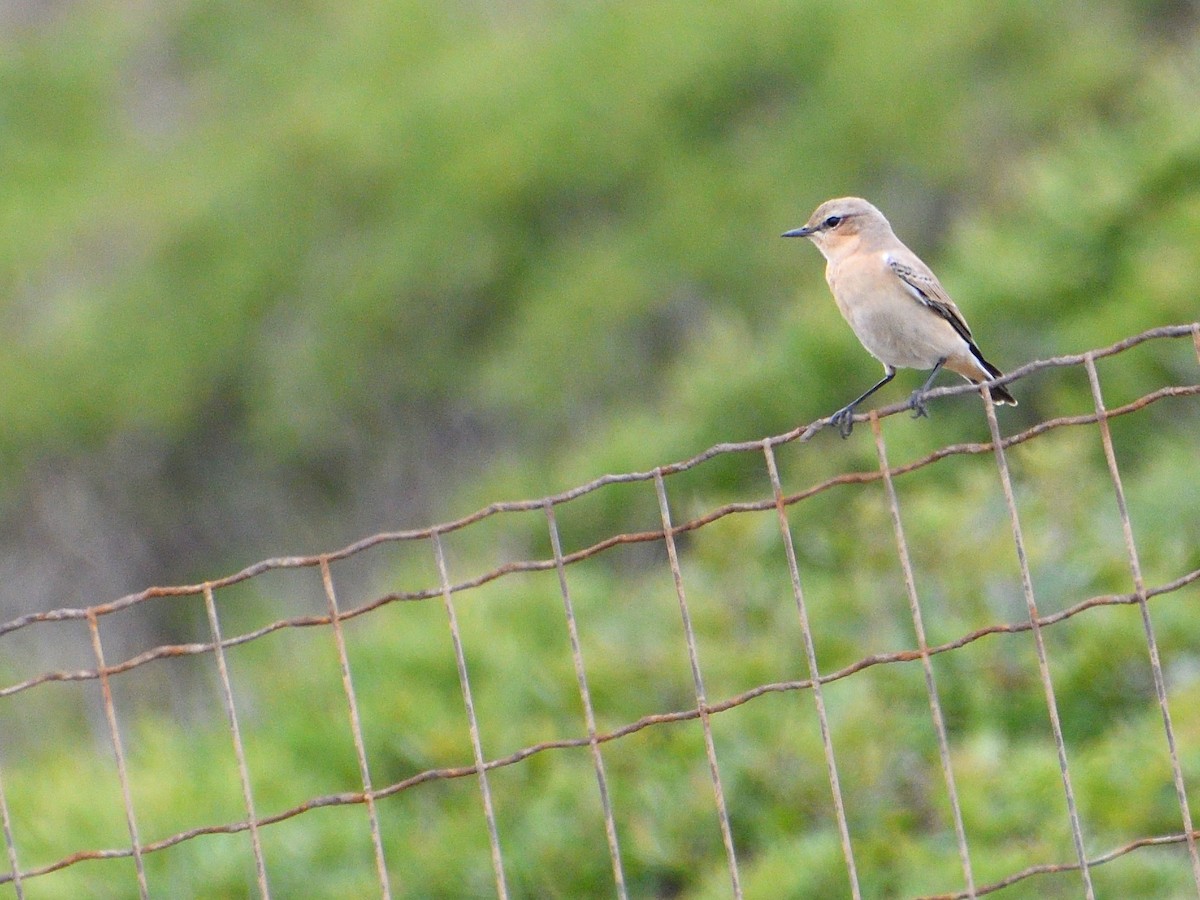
{"type": "Point", "coordinates": [388, 859]}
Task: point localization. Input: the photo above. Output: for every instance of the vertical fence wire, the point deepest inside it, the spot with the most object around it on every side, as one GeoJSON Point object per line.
{"type": "Point", "coordinates": [1139, 587]}
{"type": "Point", "coordinates": [481, 767]}
{"type": "Point", "coordinates": [610, 827]}
{"type": "Point", "coordinates": [110, 713]}
{"type": "Point", "coordinates": [1039, 642]}
{"type": "Point", "coordinates": [472, 722]}
{"type": "Point", "coordinates": [698, 682]}
{"type": "Point", "coordinates": [335, 620]}
{"type": "Point", "coordinates": [10, 844]}
{"type": "Point", "coordinates": [914, 606]}
{"type": "Point", "coordinates": [810, 654]}
{"type": "Point", "coordinates": [239, 748]}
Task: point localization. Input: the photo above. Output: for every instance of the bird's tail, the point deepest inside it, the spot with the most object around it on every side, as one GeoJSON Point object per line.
{"type": "Point", "coordinates": [1001, 395]}
{"type": "Point", "coordinates": [999, 392]}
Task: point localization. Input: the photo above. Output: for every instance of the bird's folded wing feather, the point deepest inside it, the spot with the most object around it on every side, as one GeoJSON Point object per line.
{"type": "Point", "coordinates": [925, 287]}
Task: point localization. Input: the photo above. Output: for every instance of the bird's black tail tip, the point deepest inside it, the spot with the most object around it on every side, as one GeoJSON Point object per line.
{"type": "Point", "coordinates": [1001, 396]}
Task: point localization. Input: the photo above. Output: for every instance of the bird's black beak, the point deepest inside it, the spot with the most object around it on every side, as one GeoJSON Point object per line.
{"type": "Point", "coordinates": [799, 232]}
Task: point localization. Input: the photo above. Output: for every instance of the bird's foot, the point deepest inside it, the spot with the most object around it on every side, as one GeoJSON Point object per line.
{"type": "Point", "coordinates": [843, 420]}
{"type": "Point", "coordinates": [917, 404]}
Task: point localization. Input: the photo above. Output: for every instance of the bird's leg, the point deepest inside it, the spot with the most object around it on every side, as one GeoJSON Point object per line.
{"type": "Point", "coordinates": [844, 417]}
{"type": "Point", "coordinates": [917, 401]}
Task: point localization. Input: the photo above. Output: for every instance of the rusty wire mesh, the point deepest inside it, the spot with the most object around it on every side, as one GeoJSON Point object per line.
{"type": "Point", "coordinates": [388, 858]}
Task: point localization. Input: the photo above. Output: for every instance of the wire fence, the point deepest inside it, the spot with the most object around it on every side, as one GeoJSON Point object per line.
{"type": "Point", "coordinates": [258, 817]}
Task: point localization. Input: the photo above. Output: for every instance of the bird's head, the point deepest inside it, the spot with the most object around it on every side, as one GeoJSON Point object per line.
{"type": "Point", "coordinates": [837, 223]}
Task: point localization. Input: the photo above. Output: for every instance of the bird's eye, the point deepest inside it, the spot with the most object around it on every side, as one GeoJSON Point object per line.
{"type": "Point", "coordinates": [832, 222]}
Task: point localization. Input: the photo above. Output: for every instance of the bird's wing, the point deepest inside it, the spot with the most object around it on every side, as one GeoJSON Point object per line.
{"type": "Point", "coordinates": [925, 288]}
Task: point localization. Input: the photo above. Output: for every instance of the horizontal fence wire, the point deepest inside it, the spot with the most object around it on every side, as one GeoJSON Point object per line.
{"type": "Point", "coordinates": [593, 737]}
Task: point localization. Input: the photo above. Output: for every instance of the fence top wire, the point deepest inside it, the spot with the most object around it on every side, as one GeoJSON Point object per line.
{"type": "Point", "coordinates": [799, 434]}
{"type": "Point", "coordinates": [703, 707]}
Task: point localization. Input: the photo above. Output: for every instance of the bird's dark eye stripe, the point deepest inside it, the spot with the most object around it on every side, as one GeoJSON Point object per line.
{"type": "Point", "coordinates": [832, 222]}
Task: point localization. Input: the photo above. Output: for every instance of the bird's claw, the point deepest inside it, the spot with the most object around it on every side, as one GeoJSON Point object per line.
{"type": "Point", "coordinates": [917, 404]}
{"type": "Point", "coordinates": [843, 420]}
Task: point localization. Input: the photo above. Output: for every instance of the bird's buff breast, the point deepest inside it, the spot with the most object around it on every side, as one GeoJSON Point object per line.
{"type": "Point", "coordinates": [895, 328]}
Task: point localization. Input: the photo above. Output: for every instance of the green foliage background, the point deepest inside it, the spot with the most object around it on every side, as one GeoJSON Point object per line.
{"type": "Point", "coordinates": [278, 275]}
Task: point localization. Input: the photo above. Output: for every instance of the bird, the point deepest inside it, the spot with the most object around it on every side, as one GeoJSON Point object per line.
{"type": "Point", "coordinates": [894, 303]}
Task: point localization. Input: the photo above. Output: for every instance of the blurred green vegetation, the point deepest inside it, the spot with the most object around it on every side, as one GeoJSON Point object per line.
{"type": "Point", "coordinates": [276, 276]}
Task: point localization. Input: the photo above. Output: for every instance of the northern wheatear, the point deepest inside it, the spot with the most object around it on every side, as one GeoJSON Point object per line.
{"type": "Point", "coordinates": [894, 303]}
